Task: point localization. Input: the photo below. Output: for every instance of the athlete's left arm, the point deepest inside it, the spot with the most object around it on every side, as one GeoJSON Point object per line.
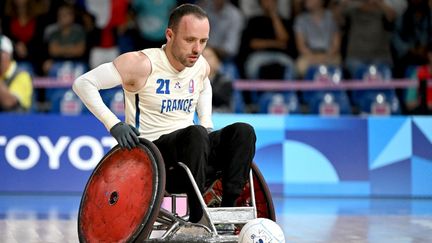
{"type": "Point", "coordinates": [204, 106]}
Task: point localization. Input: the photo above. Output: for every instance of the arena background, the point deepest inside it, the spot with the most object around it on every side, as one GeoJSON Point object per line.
{"type": "Point", "coordinates": [342, 175]}
{"type": "Point", "coordinates": [298, 155]}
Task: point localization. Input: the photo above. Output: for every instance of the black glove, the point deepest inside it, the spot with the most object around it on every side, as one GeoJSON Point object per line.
{"type": "Point", "coordinates": [126, 135]}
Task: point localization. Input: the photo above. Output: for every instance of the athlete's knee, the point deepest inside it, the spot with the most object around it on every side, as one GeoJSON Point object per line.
{"type": "Point", "coordinates": [243, 130]}
{"type": "Point", "coordinates": [197, 134]}
{"type": "Point", "coordinates": [196, 131]}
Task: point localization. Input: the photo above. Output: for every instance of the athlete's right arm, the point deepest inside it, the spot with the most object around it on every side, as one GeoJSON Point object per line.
{"type": "Point", "coordinates": [107, 76]}
{"type": "Point", "coordinates": [87, 87]}
{"type": "Point", "coordinates": [134, 69]}
{"type": "Point", "coordinates": [130, 70]}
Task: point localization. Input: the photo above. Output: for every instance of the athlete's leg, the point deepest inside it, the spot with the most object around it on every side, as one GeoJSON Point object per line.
{"type": "Point", "coordinates": [232, 151]}
{"type": "Point", "coordinates": [191, 147]}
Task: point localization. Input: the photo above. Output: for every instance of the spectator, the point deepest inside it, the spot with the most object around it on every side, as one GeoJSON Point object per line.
{"type": "Point", "coordinates": [398, 6]}
{"type": "Point", "coordinates": [252, 8]}
{"type": "Point", "coordinates": [66, 40]}
{"type": "Point", "coordinates": [227, 23]}
{"type": "Point", "coordinates": [49, 9]}
{"type": "Point", "coordinates": [393, 8]}
{"type": "Point", "coordinates": [15, 85]}
{"type": "Point", "coordinates": [20, 23]}
{"type": "Point", "coordinates": [317, 37]}
{"type": "Point", "coordinates": [92, 32]}
{"type": "Point", "coordinates": [112, 22]}
{"type": "Point", "coordinates": [413, 97]}
{"type": "Point", "coordinates": [221, 83]}
{"type": "Point", "coordinates": [368, 27]}
{"type": "Point", "coordinates": [413, 32]}
{"type": "Point", "coordinates": [265, 43]}
{"type": "Point", "coordinates": [152, 20]}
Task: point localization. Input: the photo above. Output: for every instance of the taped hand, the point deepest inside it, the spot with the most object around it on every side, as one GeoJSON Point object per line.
{"type": "Point", "coordinates": [126, 135]}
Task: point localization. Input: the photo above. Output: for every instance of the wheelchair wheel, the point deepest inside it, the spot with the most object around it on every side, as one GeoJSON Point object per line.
{"type": "Point", "coordinates": [263, 199]}
{"type": "Point", "coordinates": [122, 198]}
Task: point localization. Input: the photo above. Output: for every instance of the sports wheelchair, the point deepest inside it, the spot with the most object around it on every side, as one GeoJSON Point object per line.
{"type": "Point", "coordinates": [123, 196]}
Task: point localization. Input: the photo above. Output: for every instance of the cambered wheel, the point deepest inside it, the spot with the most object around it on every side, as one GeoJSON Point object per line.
{"type": "Point", "coordinates": [263, 199]}
{"type": "Point", "coordinates": [122, 198]}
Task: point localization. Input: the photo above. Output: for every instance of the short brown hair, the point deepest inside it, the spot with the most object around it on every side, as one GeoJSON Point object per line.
{"type": "Point", "coordinates": [183, 10]}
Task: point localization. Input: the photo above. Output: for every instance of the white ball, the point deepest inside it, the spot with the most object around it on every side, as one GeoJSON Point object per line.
{"type": "Point", "coordinates": [261, 230]}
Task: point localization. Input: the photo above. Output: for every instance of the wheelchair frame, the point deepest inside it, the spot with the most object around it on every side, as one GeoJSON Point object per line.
{"type": "Point", "coordinates": [122, 203]}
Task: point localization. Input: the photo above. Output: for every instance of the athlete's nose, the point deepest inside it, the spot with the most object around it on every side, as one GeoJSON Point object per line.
{"type": "Point", "coordinates": [197, 48]}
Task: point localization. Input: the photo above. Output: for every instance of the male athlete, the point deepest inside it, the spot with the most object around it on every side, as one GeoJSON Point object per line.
{"type": "Point", "coordinates": [163, 88]}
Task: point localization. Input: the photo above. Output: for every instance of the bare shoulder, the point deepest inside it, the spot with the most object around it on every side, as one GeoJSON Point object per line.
{"type": "Point", "coordinates": [134, 69]}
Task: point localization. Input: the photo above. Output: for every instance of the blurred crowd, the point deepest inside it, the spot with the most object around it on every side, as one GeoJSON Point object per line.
{"type": "Point", "coordinates": [249, 39]}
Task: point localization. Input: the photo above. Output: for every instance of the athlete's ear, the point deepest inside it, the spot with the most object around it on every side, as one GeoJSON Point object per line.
{"type": "Point", "coordinates": [169, 34]}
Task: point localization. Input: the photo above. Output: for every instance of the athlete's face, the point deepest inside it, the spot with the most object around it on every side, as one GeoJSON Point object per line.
{"type": "Point", "coordinates": [188, 40]}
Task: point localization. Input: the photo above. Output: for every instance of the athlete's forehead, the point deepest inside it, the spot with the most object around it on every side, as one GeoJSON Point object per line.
{"type": "Point", "coordinates": [193, 26]}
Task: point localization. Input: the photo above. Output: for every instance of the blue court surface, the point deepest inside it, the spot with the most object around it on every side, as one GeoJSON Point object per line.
{"type": "Point", "coordinates": [53, 218]}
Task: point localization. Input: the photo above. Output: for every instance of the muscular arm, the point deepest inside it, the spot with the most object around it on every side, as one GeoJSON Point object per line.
{"type": "Point", "coordinates": [134, 69]}
{"type": "Point", "coordinates": [129, 70]}
{"type": "Point", "coordinates": [87, 88]}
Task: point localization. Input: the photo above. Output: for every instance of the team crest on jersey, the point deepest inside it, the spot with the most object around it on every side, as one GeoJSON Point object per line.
{"type": "Point", "coordinates": [191, 86]}
{"type": "Point", "coordinates": [177, 85]}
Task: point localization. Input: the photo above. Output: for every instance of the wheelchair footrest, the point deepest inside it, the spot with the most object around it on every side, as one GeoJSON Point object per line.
{"type": "Point", "coordinates": [231, 215]}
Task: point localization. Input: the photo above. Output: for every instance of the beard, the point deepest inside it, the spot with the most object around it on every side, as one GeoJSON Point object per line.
{"type": "Point", "coordinates": [184, 59]}
{"type": "Point", "coordinates": [185, 62]}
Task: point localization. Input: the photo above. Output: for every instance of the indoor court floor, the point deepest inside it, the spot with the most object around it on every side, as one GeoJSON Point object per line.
{"type": "Point", "coordinates": [53, 218]}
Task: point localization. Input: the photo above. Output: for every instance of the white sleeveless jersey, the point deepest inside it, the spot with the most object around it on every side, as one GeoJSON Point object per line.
{"type": "Point", "coordinates": [168, 100]}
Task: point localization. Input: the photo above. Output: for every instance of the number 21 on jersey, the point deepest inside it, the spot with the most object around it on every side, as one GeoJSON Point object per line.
{"type": "Point", "coordinates": [163, 87]}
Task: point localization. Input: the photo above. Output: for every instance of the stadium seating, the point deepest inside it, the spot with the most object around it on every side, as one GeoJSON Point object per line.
{"type": "Point", "coordinates": [279, 103]}
{"type": "Point", "coordinates": [283, 102]}
{"type": "Point", "coordinates": [365, 99]}
{"type": "Point", "coordinates": [26, 66]}
{"type": "Point", "coordinates": [114, 99]}
{"type": "Point", "coordinates": [315, 99]}
{"type": "Point", "coordinates": [63, 100]}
